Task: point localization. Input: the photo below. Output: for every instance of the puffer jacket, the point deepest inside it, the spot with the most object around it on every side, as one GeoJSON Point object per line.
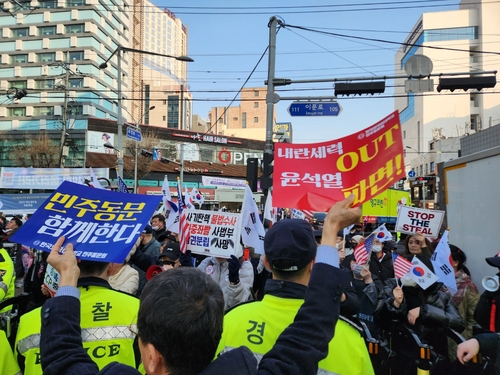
{"type": "Point", "coordinates": [437, 312]}
{"type": "Point", "coordinates": [219, 272]}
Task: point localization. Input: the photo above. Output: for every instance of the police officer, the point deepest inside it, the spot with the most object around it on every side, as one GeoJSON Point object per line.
{"type": "Point", "coordinates": [108, 318]}
{"type": "Point", "coordinates": [7, 276]}
{"type": "Point", "coordinates": [290, 251]}
{"type": "Point", "coordinates": [8, 364]}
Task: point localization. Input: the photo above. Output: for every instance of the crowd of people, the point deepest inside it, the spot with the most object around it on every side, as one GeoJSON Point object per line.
{"type": "Point", "coordinates": [287, 311]}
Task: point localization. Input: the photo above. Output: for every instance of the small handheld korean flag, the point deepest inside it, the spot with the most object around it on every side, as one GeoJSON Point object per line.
{"type": "Point", "coordinates": [422, 275]}
{"type": "Point", "coordinates": [252, 229]}
{"type": "Point", "coordinates": [441, 261]}
{"type": "Point", "coordinates": [188, 201]}
{"type": "Point", "coordinates": [382, 234]}
{"type": "Point", "coordinates": [197, 197]}
{"type": "Point", "coordinates": [170, 208]}
{"type": "Point", "coordinates": [94, 182]}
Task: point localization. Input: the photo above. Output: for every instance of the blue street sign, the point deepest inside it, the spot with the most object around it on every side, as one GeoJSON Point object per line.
{"type": "Point", "coordinates": [134, 134]}
{"type": "Point", "coordinates": [412, 174]}
{"type": "Point", "coordinates": [314, 109]}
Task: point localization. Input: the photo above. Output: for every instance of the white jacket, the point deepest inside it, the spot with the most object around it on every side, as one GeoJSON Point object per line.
{"type": "Point", "coordinates": [126, 280]}
{"type": "Point", "coordinates": [233, 294]}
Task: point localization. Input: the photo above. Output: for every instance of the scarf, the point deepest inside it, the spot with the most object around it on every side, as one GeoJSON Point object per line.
{"type": "Point", "coordinates": [463, 282]}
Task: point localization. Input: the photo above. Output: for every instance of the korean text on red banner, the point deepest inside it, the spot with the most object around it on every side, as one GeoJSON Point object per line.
{"type": "Point", "coordinates": [214, 233]}
{"type": "Point", "coordinates": [102, 225]}
{"type": "Point", "coordinates": [314, 176]}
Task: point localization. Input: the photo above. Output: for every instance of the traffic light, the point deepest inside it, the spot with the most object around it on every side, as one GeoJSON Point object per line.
{"type": "Point", "coordinates": [252, 169]}
{"type": "Point", "coordinates": [466, 83]}
{"type": "Point", "coordinates": [360, 88]}
{"type": "Point", "coordinates": [266, 180]}
{"type": "Point", "coordinates": [426, 179]}
{"type": "Point", "coordinates": [146, 153]}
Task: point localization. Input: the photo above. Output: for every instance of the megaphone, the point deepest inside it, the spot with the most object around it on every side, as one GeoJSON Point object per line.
{"type": "Point", "coordinates": [491, 283]}
{"type": "Point", "coordinates": [153, 271]}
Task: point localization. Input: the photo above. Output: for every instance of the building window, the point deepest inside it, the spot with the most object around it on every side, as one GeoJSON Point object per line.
{"type": "Point", "coordinates": [75, 82]}
{"type": "Point", "coordinates": [44, 84]}
{"type": "Point", "coordinates": [244, 120]}
{"type": "Point", "coordinates": [432, 166]}
{"type": "Point", "coordinates": [255, 119]}
{"type": "Point", "coordinates": [75, 109]}
{"type": "Point", "coordinates": [256, 104]}
{"type": "Point", "coordinates": [47, 3]}
{"type": "Point", "coordinates": [75, 3]}
{"type": "Point", "coordinates": [431, 146]}
{"type": "Point", "coordinates": [18, 84]}
{"type": "Point", "coordinates": [255, 93]}
{"type": "Point", "coordinates": [474, 101]}
{"type": "Point", "coordinates": [235, 118]}
{"type": "Point", "coordinates": [46, 57]}
{"type": "Point", "coordinates": [164, 102]}
{"type": "Point", "coordinates": [421, 170]}
{"type": "Point", "coordinates": [47, 30]}
{"type": "Point", "coordinates": [164, 118]}
{"type": "Point", "coordinates": [17, 111]}
{"type": "Point", "coordinates": [18, 59]}
{"type": "Point", "coordinates": [43, 111]}
{"type": "Point", "coordinates": [454, 33]}
{"type": "Point", "coordinates": [76, 55]}
{"type": "Point", "coordinates": [72, 29]}
{"type": "Point", "coordinates": [20, 32]}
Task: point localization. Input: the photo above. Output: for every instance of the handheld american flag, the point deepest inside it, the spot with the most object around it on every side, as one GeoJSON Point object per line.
{"type": "Point", "coordinates": [401, 266]}
{"type": "Point", "coordinates": [362, 251]}
{"type": "Point", "coordinates": [183, 226]}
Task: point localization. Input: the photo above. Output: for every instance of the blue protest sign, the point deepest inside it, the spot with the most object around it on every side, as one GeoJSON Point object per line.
{"type": "Point", "coordinates": [102, 225]}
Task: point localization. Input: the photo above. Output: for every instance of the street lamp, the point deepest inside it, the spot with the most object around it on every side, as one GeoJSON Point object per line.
{"type": "Point", "coordinates": [104, 65]}
{"type": "Point", "coordinates": [137, 148]}
{"type": "Point", "coordinates": [422, 160]}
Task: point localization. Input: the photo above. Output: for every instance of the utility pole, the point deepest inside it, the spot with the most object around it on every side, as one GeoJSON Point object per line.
{"type": "Point", "coordinates": [64, 114]}
{"type": "Point", "coordinates": [271, 71]}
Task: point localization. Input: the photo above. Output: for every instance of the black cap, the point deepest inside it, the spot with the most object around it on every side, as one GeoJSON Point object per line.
{"type": "Point", "coordinates": [147, 229]}
{"type": "Point", "coordinates": [291, 240]}
{"type": "Point", "coordinates": [171, 250]}
{"type": "Point", "coordinates": [494, 261]}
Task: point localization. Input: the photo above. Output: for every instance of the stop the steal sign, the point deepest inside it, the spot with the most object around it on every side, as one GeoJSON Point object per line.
{"type": "Point", "coordinates": [413, 220]}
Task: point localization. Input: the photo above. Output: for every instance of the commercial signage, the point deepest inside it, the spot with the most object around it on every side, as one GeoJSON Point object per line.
{"type": "Point", "coordinates": [224, 182]}
{"type": "Point", "coordinates": [96, 141]}
{"type": "Point", "coordinates": [45, 178]}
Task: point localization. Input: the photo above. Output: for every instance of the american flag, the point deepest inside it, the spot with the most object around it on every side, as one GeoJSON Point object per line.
{"type": "Point", "coordinates": [183, 226]}
{"type": "Point", "coordinates": [401, 265]}
{"type": "Point", "coordinates": [362, 251]}
{"type": "Point", "coordinates": [122, 187]}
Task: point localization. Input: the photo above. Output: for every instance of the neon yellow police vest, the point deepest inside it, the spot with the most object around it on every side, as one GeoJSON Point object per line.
{"type": "Point", "coordinates": [7, 277]}
{"type": "Point", "coordinates": [257, 326]}
{"type": "Point", "coordinates": [106, 316]}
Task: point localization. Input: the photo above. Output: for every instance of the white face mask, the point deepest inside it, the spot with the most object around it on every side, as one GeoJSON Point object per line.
{"type": "Point", "coordinates": [377, 248]}
{"type": "Point", "coordinates": [156, 228]}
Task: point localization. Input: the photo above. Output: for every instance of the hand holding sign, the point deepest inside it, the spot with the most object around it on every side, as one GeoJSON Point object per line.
{"type": "Point", "coordinates": [65, 263]}
{"type": "Point", "coordinates": [416, 220]}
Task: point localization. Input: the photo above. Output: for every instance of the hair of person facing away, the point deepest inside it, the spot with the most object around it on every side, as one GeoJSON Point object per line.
{"type": "Point", "coordinates": [91, 268]}
{"type": "Point", "coordinates": [181, 315]}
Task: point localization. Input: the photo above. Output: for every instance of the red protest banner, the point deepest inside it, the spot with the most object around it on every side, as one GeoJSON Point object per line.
{"type": "Point", "coordinates": [315, 176]}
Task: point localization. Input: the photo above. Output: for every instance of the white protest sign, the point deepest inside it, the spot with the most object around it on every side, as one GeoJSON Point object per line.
{"type": "Point", "coordinates": [51, 280]}
{"type": "Point", "coordinates": [417, 220]}
{"type": "Point", "coordinates": [214, 233]}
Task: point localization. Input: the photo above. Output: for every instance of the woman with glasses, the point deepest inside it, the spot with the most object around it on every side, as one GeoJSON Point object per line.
{"type": "Point", "coordinates": [416, 244]}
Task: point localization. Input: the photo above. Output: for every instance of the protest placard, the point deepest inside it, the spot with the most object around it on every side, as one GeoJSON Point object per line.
{"type": "Point", "coordinates": [102, 225]}
{"type": "Point", "coordinates": [51, 280]}
{"type": "Point", "coordinates": [413, 220]}
{"type": "Point", "coordinates": [315, 176]}
{"type": "Point", "coordinates": [214, 233]}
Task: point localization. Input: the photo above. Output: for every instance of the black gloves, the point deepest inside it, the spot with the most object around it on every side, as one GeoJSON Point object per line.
{"type": "Point", "coordinates": [234, 267]}
{"type": "Point", "coordinates": [185, 259]}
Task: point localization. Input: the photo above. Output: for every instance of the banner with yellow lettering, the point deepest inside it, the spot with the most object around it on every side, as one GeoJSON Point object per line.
{"type": "Point", "coordinates": [315, 176]}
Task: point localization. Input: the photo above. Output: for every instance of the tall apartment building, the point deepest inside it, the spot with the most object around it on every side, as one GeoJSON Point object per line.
{"type": "Point", "coordinates": [53, 49]}
{"type": "Point", "coordinates": [248, 120]}
{"type": "Point", "coordinates": [160, 81]}
{"type": "Point", "coordinates": [466, 36]}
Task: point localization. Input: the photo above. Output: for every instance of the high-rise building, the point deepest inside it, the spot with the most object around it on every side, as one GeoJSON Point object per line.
{"type": "Point", "coordinates": [461, 41]}
{"type": "Point", "coordinates": [247, 120]}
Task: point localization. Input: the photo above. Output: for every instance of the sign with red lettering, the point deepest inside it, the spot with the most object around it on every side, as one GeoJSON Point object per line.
{"type": "Point", "coordinates": [413, 220]}
{"type": "Point", "coordinates": [315, 176]}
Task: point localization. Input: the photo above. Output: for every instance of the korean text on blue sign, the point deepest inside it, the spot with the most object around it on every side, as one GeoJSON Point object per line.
{"type": "Point", "coordinates": [213, 233]}
{"type": "Point", "coordinates": [102, 225]}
